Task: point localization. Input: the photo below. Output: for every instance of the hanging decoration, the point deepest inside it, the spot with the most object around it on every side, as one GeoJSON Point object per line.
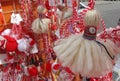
{"type": "Point", "coordinates": [75, 46]}
{"type": "Point", "coordinates": [27, 11]}
{"type": "Point", "coordinates": [41, 26]}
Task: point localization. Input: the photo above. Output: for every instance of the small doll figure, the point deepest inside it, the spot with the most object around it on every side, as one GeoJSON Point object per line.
{"type": "Point", "coordinates": [85, 54]}
{"type": "Point", "coordinates": [41, 28]}
{"type": "Point", "coordinates": [41, 24]}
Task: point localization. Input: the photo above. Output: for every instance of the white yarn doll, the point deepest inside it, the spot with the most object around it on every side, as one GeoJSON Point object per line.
{"type": "Point", "coordinates": [85, 54]}
{"type": "Point", "coordinates": [41, 27]}
{"type": "Point", "coordinates": [41, 24]}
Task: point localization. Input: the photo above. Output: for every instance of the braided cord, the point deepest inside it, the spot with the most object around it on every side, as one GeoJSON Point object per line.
{"type": "Point", "coordinates": [104, 29]}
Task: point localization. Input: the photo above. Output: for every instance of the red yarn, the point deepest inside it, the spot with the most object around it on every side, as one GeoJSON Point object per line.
{"type": "Point", "coordinates": [54, 27]}
{"type": "Point", "coordinates": [32, 71]}
{"type": "Point", "coordinates": [11, 44]}
{"type": "Point", "coordinates": [56, 66]}
{"type": "Point", "coordinates": [18, 67]}
{"type": "Point", "coordinates": [48, 67]}
{"type": "Point", "coordinates": [68, 70]}
{"type": "Point", "coordinates": [32, 42]}
{"type": "Point", "coordinates": [47, 5]}
{"type": "Point", "coordinates": [107, 77]}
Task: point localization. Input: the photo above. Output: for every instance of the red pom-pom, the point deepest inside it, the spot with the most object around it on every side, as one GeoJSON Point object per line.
{"type": "Point", "coordinates": [56, 66]}
{"type": "Point", "coordinates": [54, 27]}
{"type": "Point", "coordinates": [74, 3]}
{"type": "Point", "coordinates": [18, 67]}
{"type": "Point", "coordinates": [11, 44]}
{"type": "Point", "coordinates": [32, 71]}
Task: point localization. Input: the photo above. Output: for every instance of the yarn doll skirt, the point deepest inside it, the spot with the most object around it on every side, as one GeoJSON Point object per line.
{"type": "Point", "coordinates": [86, 57]}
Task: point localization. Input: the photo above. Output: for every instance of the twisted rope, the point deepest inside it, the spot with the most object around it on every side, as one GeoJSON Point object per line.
{"type": "Point", "coordinates": [104, 28]}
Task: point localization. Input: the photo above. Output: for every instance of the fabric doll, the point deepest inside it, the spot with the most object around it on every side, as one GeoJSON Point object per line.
{"type": "Point", "coordinates": [41, 24]}
{"type": "Point", "coordinates": [84, 53]}
{"type": "Point", "coordinates": [41, 28]}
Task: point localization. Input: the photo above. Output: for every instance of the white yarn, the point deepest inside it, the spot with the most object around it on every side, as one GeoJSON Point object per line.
{"type": "Point", "coordinates": [85, 56]}
{"type": "Point", "coordinates": [40, 25]}
{"type": "Point", "coordinates": [23, 45]}
{"type": "Point", "coordinates": [6, 32]}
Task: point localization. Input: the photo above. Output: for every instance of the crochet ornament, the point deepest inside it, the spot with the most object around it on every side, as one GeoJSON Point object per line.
{"type": "Point", "coordinates": [85, 54]}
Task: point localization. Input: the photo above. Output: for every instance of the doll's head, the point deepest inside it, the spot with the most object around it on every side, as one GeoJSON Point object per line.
{"type": "Point", "coordinates": [41, 25]}
{"type": "Point", "coordinates": [91, 23]}
{"type": "Point", "coordinates": [92, 18]}
{"type": "Point", "coordinates": [41, 9]}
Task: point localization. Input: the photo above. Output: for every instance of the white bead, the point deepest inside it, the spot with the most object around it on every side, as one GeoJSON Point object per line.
{"type": "Point", "coordinates": [92, 30]}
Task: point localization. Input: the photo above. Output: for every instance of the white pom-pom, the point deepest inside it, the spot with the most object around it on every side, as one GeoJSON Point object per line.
{"type": "Point", "coordinates": [41, 9]}
{"type": "Point", "coordinates": [6, 32]}
{"type": "Point", "coordinates": [23, 45]}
